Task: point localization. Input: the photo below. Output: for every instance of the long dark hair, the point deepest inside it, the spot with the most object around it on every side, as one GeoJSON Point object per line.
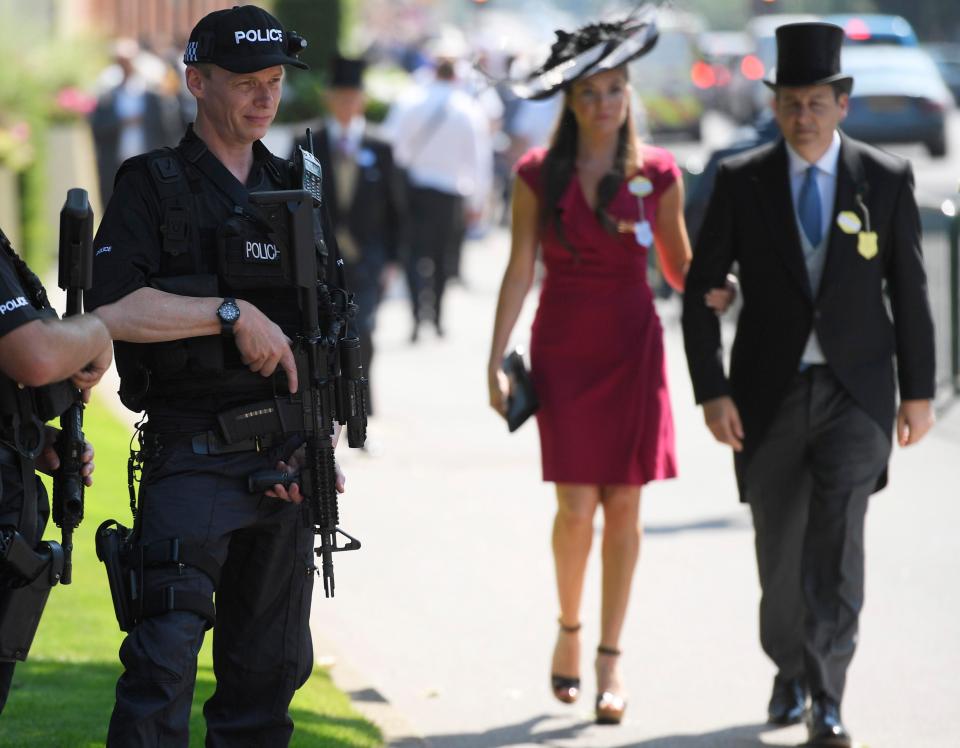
{"type": "Point", "coordinates": [559, 166]}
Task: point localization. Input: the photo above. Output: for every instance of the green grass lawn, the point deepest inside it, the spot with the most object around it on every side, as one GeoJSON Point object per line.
{"type": "Point", "coordinates": [63, 694]}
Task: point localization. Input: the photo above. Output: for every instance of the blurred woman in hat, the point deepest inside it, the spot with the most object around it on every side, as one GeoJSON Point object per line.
{"type": "Point", "coordinates": [597, 201]}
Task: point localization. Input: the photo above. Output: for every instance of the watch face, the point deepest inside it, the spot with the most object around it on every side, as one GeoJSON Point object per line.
{"type": "Point", "coordinates": [229, 312]}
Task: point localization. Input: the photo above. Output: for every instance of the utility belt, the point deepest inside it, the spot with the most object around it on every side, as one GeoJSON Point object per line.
{"type": "Point", "coordinates": [211, 443]}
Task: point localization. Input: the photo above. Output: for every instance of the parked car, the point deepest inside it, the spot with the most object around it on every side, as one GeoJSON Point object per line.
{"type": "Point", "coordinates": [947, 59]}
{"type": "Point", "coordinates": [722, 53]}
{"type": "Point", "coordinates": [898, 97]}
{"type": "Point", "coordinates": [874, 28]}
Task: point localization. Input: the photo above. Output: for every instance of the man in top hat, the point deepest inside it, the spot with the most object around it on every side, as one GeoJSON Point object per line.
{"type": "Point", "coordinates": [203, 343]}
{"type": "Point", "coordinates": [825, 232]}
{"type": "Point", "coordinates": [362, 192]}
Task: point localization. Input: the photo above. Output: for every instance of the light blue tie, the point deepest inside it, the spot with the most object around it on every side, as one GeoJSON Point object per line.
{"type": "Point", "coordinates": [809, 207]}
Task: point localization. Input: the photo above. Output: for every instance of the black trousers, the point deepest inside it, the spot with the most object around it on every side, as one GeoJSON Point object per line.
{"type": "Point", "coordinates": [435, 234]}
{"type": "Point", "coordinates": [808, 486]}
{"type": "Point", "coordinates": [262, 651]}
{"type": "Point", "coordinates": [363, 280]}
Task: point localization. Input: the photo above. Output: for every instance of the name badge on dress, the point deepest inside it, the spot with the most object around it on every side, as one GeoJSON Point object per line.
{"type": "Point", "coordinates": [643, 233]}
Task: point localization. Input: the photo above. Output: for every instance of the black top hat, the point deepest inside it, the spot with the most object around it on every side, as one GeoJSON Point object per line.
{"type": "Point", "coordinates": [588, 50]}
{"type": "Point", "coordinates": [808, 54]}
{"type": "Point", "coordinates": [346, 72]}
{"type": "Point", "coordinates": [243, 40]}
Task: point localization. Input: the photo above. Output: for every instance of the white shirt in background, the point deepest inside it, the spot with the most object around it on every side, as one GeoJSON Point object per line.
{"type": "Point", "coordinates": [455, 156]}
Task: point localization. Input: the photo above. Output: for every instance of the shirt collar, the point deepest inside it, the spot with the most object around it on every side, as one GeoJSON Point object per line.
{"type": "Point", "coordinates": [193, 144]}
{"type": "Point", "coordinates": [353, 132]}
{"type": "Point", "coordinates": [827, 163]}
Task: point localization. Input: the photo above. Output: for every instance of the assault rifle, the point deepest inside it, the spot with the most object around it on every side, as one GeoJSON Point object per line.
{"type": "Point", "coordinates": [75, 276]}
{"type": "Point", "coordinates": [332, 384]}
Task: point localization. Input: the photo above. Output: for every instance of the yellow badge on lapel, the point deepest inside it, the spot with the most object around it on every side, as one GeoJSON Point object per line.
{"type": "Point", "coordinates": [867, 244]}
{"type": "Point", "coordinates": [849, 222]}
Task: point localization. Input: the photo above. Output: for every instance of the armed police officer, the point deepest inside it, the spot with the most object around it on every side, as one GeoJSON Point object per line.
{"type": "Point", "coordinates": [38, 352]}
{"type": "Point", "coordinates": [185, 278]}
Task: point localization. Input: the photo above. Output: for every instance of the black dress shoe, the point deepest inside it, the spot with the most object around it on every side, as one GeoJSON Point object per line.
{"type": "Point", "coordinates": [824, 725]}
{"type": "Point", "coordinates": [788, 701]}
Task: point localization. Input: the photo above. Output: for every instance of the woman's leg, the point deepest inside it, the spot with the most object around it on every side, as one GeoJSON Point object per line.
{"type": "Point", "coordinates": [620, 551]}
{"type": "Point", "coordinates": [572, 537]}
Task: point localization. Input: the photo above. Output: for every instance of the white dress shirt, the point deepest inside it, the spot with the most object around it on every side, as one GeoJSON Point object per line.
{"type": "Point", "coordinates": [815, 257]}
{"type": "Point", "coordinates": [826, 179]}
{"type": "Point", "coordinates": [452, 154]}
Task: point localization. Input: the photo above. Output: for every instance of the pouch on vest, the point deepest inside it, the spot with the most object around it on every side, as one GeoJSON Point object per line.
{"type": "Point", "coordinates": [250, 256]}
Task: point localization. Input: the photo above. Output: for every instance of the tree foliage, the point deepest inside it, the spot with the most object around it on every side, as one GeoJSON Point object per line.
{"type": "Point", "coordinates": [320, 23]}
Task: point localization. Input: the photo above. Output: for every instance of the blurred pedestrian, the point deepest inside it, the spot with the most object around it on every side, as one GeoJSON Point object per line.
{"type": "Point", "coordinates": [597, 201]}
{"type": "Point", "coordinates": [362, 192]}
{"type": "Point", "coordinates": [441, 139]}
{"type": "Point", "coordinates": [825, 231]}
{"type": "Point", "coordinates": [130, 118]}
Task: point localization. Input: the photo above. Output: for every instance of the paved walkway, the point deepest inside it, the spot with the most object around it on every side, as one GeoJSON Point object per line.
{"type": "Point", "coordinates": [443, 623]}
{"type": "Point", "coordinates": [448, 611]}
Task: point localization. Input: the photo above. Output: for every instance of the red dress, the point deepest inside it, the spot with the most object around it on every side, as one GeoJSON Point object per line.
{"type": "Point", "coordinates": [596, 345]}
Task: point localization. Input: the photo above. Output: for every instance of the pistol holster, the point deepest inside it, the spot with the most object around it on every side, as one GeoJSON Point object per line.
{"type": "Point", "coordinates": [29, 574]}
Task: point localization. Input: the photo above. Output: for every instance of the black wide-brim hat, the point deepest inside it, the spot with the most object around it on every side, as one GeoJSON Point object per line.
{"type": "Point", "coordinates": [243, 39]}
{"type": "Point", "coordinates": [808, 54]}
{"type": "Point", "coordinates": [589, 50]}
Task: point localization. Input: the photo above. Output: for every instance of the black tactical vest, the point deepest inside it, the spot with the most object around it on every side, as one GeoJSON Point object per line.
{"type": "Point", "coordinates": [205, 253]}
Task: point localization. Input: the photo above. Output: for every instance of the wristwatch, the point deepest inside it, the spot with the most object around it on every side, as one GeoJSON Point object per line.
{"type": "Point", "coordinates": [229, 313]}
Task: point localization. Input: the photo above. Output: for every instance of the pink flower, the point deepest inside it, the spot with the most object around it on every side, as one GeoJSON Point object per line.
{"type": "Point", "coordinates": [74, 100]}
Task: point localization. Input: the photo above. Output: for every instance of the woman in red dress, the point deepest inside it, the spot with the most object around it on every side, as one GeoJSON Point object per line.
{"type": "Point", "coordinates": [597, 201]}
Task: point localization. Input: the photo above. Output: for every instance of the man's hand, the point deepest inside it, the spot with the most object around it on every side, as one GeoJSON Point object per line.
{"type": "Point", "coordinates": [723, 420]}
{"type": "Point", "coordinates": [292, 467]}
{"type": "Point", "coordinates": [85, 379]}
{"type": "Point", "coordinates": [914, 419]}
{"type": "Point", "coordinates": [48, 461]}
{"type": "Point", "coordinates": [263, 345]}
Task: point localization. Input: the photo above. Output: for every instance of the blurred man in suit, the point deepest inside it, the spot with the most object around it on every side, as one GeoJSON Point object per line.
{"type": "Point", "coordinates": [130, 118]}
{"type": "Point", "coordinates": [825, 231]}
{"type": "Point", "coordinates": [362, 191]}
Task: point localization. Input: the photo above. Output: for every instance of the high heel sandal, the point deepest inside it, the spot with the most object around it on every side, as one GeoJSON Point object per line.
{"type": "Point", "coordinates": [566, 688]}
{"type": "Point", "coordinates": [610, 706]}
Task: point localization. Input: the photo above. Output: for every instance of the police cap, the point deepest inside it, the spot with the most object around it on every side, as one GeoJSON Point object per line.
{"type": "Point", "coordinates": [243, 39]}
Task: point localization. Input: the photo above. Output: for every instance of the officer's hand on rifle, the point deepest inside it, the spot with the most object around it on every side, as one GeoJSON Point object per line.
{"type": "Point", "coordinates": [292, 467]}
{"type": "Point", "coordinates": [85, 379]}
{"type": "Point", "coordinates": [263, 345]}
{"type": "Point", "coordinates": [48, 461]}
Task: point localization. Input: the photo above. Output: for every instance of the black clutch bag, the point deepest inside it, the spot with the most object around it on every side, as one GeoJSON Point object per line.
{"type": "Point", "coordinates": [522, 402]}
